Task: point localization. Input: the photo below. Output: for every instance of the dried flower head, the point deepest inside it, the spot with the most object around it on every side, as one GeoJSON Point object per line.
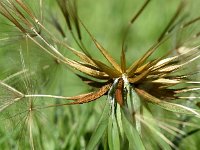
{"type": "Point", "coordinates": [129, 89]}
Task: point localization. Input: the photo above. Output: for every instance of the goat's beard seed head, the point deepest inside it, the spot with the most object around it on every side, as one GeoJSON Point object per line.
{"type": "Point", "coordinates": [154, 81]}
{"type": "Point", "coordinates": [159, 81]}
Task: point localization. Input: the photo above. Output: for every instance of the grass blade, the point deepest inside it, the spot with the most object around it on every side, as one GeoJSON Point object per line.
{"type": "Point", "coordinates": [101, 127]}
{"type": "Point", "coordinates": [113, 134]}
{"type": "Point", "coordinates": [135, 142]}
